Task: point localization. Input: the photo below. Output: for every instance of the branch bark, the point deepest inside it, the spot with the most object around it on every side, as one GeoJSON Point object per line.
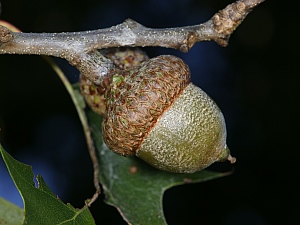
{"type": "Point", "coordinates": [80, 48]}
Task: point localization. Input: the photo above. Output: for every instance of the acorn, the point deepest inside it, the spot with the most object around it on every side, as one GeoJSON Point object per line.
{"type": "Point", "coordinates": [153, 111]}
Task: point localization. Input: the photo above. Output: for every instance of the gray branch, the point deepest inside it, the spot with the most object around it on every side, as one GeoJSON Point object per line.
{"type": "Point", "coordinates": [80, 48]}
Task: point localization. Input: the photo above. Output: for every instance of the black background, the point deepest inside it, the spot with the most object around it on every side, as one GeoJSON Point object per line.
{"type": "Point", "coordinates": [254, 81]}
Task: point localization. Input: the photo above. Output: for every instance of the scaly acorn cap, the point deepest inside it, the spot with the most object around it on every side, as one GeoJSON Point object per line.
{"type": "Point", "coordinates": [122, 58]}
{"type": "Point", "coordinates": [136, 99]}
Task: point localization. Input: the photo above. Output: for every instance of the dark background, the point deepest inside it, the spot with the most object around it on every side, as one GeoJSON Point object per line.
{"type": "Point", "coordinates": [254, 81]}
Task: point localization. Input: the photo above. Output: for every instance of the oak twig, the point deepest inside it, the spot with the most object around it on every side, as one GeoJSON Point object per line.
{"type": "Point", "coordinates": [80, 48]}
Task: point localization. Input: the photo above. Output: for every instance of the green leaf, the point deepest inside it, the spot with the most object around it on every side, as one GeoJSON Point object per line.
{"type": "Point", "coordinates": [10, 213]}
{"type": "Point", "coordinates": [135, 188]}
{"type": "Point", "coordinates": [40, 204]}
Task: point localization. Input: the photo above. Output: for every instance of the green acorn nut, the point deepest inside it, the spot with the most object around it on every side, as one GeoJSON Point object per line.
{"type": "Point", "coordinates": [153, 111]}
{"type": "Point", "coordinates": [188, 137]}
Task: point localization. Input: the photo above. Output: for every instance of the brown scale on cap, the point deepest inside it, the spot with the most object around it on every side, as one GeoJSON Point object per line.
{"type": "Point", "coordinates": [123, 58]}
{"type": "Point", "coordinates": [93, 94]}
{"type": "Point", "coordinates": [136, 99]}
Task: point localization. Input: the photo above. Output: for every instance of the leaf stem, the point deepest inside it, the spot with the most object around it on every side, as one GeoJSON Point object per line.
{"type": "Point", "coordinates": [86, 128]}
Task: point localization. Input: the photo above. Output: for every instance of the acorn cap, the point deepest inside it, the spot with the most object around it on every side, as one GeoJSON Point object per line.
{"type": "Point", "coordinates": [122, 58]}
{"type": "Point", "coordinates": [136, 99]}
{"type": "Point", "coordinates": [93, 95]}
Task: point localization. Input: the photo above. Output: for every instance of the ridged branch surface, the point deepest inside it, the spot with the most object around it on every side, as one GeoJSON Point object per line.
{"type": "Point", "coordinates": [80, 48]}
